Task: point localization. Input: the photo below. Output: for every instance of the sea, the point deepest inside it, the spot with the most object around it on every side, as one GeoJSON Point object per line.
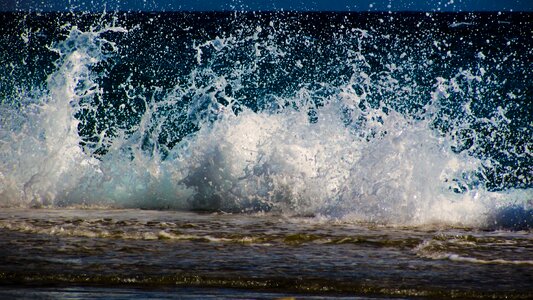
{"type": "Point", "coordinates": [266, 155]}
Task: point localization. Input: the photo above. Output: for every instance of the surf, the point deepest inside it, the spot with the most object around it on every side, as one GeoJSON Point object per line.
{"type": "Point", "coordinates": [268, 114]}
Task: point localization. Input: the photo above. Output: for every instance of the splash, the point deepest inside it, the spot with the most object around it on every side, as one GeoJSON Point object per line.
{"type": "Point", "coordinates": [359, 142]}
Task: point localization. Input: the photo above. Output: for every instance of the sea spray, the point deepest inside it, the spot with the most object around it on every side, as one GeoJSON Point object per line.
{"type": "Point", "coordinates": [41, 155]}
{"type": "Point", "coordinates": [255, 124]}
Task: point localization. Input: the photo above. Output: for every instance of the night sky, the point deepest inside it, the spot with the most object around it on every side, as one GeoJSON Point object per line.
{"type": "Point", "coordinates": [267, 5]}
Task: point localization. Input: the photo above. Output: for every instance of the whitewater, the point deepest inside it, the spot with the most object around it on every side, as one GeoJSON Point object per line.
{"type": "Point", "coordinates": [406, 135]}
{"type": "Point", "coordinates": [335, 154]}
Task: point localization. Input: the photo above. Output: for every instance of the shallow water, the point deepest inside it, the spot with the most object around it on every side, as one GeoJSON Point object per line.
{"type": "Point", "coordinates": [262, 256]}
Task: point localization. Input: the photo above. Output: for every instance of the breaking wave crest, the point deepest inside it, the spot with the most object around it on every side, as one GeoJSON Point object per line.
{"type": "Point", "coordinates": [257, 124]}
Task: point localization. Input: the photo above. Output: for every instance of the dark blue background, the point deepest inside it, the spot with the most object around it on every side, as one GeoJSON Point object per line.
{"type": "Point", "coordinates": [267, 5]}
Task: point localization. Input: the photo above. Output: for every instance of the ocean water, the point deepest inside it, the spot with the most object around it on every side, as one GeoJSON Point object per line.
{"type": "Point", "coordinates": [266, 155]}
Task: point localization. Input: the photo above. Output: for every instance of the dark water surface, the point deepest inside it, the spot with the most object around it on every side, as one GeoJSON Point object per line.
{"type": "Point", "coordinates": [82, 292]}
{"type": "Point", "coordinates": [125, 253]}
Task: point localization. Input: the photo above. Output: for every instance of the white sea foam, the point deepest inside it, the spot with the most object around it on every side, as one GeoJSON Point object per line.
{"type": "Point", "coordinates": [461, 24]}
{"type": "Point", "coordinates": [380, 166]}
